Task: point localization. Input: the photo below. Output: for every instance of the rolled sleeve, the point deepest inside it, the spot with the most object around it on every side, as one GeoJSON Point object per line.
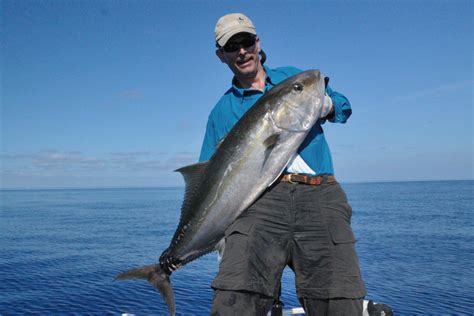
{"type": "Point", "coordinates": [342, 107]}
{"type": "Point", "coordinates": [209, 142]}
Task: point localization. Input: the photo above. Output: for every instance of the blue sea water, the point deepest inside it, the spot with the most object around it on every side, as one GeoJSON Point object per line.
{"type": "Point", "coordinates": [60, 249]}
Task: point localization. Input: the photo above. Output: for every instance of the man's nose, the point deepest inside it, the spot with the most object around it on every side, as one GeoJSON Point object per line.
{"type": "Point", "coordinates": [242, 50]}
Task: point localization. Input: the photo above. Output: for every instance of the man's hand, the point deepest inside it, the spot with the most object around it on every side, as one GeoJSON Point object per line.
{"type": "Point", "coordinates": [328, 108]}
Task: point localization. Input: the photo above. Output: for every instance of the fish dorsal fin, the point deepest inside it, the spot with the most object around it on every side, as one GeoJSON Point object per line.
{"type": "Point", "coordinates": [192, 174]}
{"type": "Point", "coordinates": [192, 178]}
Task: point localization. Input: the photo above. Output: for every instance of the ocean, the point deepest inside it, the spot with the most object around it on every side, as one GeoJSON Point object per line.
{"type": "Point", "coordinates": [60, 249]}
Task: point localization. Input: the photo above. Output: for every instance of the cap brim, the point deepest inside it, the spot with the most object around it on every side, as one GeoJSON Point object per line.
{"type": "Point", "coordinates": [243, 29]}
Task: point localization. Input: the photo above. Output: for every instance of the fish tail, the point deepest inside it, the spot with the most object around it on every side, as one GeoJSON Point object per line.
{"type": "Point", "coordinates": [157, 277]}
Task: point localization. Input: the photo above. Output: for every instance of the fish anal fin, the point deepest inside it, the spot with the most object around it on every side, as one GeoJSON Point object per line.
{"type": "Point", "coordinates": [220, 247]}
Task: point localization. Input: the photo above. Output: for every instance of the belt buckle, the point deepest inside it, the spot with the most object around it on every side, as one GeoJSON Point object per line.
{"type": "Point", "coordinates": [289, 178]}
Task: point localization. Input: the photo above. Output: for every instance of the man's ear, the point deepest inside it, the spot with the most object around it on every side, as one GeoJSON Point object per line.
{"type": "Point", "coordinates": [220, 55]}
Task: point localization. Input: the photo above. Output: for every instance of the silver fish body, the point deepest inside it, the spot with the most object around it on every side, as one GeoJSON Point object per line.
{"type": "Point", "coordinates": [246, 162]}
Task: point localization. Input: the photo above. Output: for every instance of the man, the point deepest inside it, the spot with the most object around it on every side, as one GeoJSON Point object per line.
{"type": "Point", "coordinates": [302, 220]}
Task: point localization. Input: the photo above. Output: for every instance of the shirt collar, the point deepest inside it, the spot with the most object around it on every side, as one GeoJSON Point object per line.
{"type": "Point", "coordinates": [272, 77]}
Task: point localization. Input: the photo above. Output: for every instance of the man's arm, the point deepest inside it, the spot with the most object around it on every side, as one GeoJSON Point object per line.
{"type": "Point", "coordinates": [341, 110]}
{"type": "Point", "coordinates": [209, 142]}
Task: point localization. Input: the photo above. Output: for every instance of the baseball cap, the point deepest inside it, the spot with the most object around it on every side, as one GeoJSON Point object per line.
{"type": "Point", "coordinates": [231, 24]}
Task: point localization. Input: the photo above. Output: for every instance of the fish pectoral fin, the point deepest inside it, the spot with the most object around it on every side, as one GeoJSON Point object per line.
{"type": "Point", "coordinates": [270, 143]}
{"type": "Point", "coordinates": [271, 140]}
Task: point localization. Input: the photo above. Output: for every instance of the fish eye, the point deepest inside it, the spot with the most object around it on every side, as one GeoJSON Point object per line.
{"type": "Point", "coordinates": [298, 87]}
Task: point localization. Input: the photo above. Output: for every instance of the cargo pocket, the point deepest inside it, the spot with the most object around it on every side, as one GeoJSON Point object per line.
{"type": "Point", "coordinates": [234, 266]}
{"type": "Point", "coordinates": [237, 243]}
{"type": "Point", "coordinates": [341, 234]}
{"type": "Point", "coordinates": [239, 226]}
{"type": "Point", "coordinates": [345, 262]}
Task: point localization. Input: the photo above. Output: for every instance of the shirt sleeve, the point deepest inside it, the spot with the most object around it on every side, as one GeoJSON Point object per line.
{"type": "Point", "coordinates": [209, 143]}
{"type": "Point", "coordinates": [342, 107]}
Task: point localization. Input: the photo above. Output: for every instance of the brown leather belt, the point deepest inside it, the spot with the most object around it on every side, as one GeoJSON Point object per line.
{"type": "Point", "coordinates": [311, 180]}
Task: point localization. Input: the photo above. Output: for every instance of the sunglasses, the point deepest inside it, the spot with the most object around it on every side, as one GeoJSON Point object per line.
{"type": "Point", "coordinates": [232, 47]}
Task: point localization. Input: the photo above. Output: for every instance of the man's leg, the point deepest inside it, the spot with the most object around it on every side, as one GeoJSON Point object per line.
{"type": "Point", "coordinates": [323, 253]}
{"type": "Point", "coordinates": [256, 252]}
{"type": "Point", "coordinates": [333, 307]}
{"type": "Point", "coordinates": [240, 303]}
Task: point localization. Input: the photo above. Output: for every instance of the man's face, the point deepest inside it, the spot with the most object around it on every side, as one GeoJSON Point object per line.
{"type": "Point", "coordinates": [241, 55]}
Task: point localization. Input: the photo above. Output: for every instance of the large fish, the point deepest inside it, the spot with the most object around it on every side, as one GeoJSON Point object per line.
{"type": "Point", "coordinates": [249, 159]}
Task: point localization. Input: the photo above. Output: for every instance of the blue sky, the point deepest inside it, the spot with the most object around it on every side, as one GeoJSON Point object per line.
{"type": "Point", "coordinates": [117, 93]}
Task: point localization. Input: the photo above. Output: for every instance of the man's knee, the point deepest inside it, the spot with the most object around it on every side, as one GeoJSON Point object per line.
{"type": "Point", "coordinates": [240, 303]}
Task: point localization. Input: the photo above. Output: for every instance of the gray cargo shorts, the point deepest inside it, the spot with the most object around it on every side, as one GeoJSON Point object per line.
{"type": "Point", "coordinates": [306, 227]}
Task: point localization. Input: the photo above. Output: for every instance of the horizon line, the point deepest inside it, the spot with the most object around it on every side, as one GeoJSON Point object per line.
{"type": "Point", "coordinates": [182, 186]}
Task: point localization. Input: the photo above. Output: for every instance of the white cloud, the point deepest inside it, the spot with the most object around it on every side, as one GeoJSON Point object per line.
{"type": "Point", "coordinates": [130, 153]}
{"type": "Point", "coordinates": [132, 94]}
{"type": "Point", "coordinates": [71, 166]}
{"type": "Point", "coordinates": [443, 89]}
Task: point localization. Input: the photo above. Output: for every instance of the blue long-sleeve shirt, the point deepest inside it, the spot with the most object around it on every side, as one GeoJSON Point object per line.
{"type": "Point", "coordinates": [236, 101]}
